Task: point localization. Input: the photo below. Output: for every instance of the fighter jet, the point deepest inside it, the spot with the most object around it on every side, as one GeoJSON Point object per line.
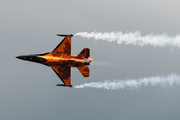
{"type": "Point", "coordinates": [61, 61]}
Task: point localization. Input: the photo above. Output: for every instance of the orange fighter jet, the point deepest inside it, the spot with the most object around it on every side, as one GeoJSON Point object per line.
{"type": "Point", "coordinates": [61, 61]}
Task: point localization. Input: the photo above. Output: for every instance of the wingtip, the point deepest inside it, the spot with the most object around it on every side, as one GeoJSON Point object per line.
{"type": "Point", "coordinates": [64, 85]}
{"type": "Point", "coordinates": [62, 35]}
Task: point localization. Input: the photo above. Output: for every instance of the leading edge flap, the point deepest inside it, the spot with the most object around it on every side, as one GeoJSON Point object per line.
{"type": "Point", "coordinates": [63, 73]}
{"type": "Point", "coordinates": [64, 47]}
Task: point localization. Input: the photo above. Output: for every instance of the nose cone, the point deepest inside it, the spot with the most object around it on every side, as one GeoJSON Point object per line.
{"type": "Point", "coordinates": [32, 58]}
{"type": "Point", "coordinates": [20, 57]}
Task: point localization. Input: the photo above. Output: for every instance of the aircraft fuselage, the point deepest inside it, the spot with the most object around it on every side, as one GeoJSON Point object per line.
{"type": "Point", "coordinates": [72, 61]}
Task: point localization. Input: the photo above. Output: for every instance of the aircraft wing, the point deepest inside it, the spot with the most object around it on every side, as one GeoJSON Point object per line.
{"type": "Point", "coordinates": [64, 48]}
{"type": "Point", "coordinates": [64, 74]}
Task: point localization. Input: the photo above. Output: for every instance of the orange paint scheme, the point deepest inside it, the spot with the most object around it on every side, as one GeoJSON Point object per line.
{"type": "Point", "coordinates": [61, 61]}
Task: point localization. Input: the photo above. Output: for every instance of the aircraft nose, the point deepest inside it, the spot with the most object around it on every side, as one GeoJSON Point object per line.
{"type": "Point", "coordinates": [20, 57]}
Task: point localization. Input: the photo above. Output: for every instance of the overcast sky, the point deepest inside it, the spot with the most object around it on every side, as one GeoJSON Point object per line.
{"type": "Point", "coordinates": [28, 91]}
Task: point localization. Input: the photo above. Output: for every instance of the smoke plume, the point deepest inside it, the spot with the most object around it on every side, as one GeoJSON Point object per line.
{"type": "Point", "coordinates": [103, 63]}
{"type": "Point", "coordinates": [134, 38]}
{"type": "Point", "coordinates": [168, 80]}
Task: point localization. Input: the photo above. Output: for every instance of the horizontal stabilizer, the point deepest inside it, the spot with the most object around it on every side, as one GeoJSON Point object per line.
{"type": "Point", "coordinates": [85, 53]}
{"type": "Point", "coordinates": [71, 35]}
{"type": "Point", "coordinates": [84, 70]}
{"type": "Point", "coordinates": [64, 85]}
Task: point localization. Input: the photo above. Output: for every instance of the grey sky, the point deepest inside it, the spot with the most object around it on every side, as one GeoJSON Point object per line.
{"type": "Point", "coordinates": [28, 91]}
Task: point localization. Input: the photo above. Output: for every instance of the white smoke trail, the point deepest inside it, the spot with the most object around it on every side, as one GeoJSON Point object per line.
{"type": "Point", "coordinates": [164, 81]}
{"type": "Point", "coordinates": [134, 38]}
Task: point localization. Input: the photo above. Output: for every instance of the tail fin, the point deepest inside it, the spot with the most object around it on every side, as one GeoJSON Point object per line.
{"type": "Point", "coordinates": [85, 53]}
{"type": "Point", "coordinates": [84, 70]}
